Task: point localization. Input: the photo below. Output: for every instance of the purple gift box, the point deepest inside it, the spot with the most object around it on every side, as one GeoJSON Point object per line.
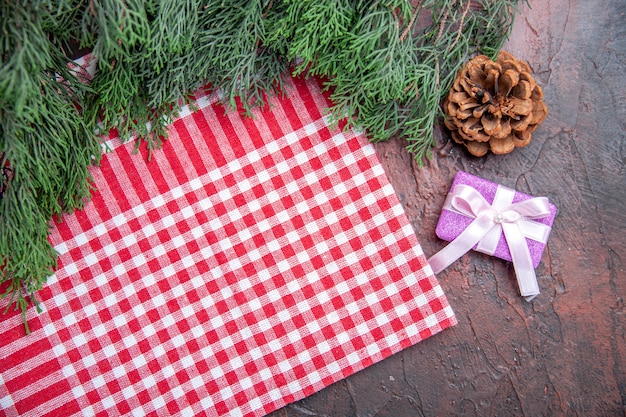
{"type": "Point", "coordinates": [451, 224]}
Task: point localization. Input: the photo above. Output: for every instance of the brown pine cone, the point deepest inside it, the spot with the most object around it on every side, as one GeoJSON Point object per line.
{"type": "Point", "coordinates": [494, 105]}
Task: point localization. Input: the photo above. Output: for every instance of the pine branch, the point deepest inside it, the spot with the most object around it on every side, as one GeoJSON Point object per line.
{"type": "Point", "coordinates": [46, 145]}
{"type": "Point", "coordinates": [170, 54]}
{"type": "Point", "coordinates": [371, 62]}
{"type": "Point", "coordinates": [232, 44]}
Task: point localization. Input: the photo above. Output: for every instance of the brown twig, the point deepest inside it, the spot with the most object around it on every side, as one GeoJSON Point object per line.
{"type": "Point", "coordinates": [460, 28]}
{"type": "Point", "coordinates": [407, 30]}
{"type": "Point", "coordinates": [269, 7]}
{"type": "Point", "coordinates": [442, 23]}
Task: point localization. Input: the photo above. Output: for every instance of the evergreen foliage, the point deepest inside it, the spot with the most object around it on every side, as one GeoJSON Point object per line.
{"type": "Point", "coordinates": [46, 146]}
{"type": "Point", "coordinates": [387, 63]}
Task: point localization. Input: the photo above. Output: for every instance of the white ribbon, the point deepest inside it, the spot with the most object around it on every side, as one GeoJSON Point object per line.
{"type": "Point", "coordinates": [490, 221]}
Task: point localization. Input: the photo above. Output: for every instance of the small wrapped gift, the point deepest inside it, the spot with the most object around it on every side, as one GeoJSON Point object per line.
{"type": "Point", "coordinates": [496, 220]}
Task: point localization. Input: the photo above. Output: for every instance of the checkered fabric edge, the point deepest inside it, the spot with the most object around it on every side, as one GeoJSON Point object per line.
{"type": "Point", "coordinates": [251, 263]}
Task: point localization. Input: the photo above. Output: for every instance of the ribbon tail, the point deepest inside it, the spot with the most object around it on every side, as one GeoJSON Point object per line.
{"type": "Point", "coordinates": [462, 244]}
{"type": "Point", "coordinates": [522, 263]}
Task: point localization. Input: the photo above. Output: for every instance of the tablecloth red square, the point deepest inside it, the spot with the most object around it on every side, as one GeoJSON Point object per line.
{"type": "Point", "coordinates": [252, 262]}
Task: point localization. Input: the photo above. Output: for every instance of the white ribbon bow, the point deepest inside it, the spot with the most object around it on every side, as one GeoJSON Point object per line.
{"type": "Point", "coordinates": [490, 221]}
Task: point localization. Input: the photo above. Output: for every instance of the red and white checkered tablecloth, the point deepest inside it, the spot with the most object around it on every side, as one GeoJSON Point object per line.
{"type": "Point", "coordinates": [252, 262]}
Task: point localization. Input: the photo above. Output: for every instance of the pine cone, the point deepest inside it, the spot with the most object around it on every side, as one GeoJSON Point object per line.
{"type": "Point", "coordinates": [494, 105]}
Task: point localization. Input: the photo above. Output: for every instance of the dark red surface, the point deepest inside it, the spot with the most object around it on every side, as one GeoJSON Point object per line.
{"type": "Point", "coordinates": [564, 354]}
